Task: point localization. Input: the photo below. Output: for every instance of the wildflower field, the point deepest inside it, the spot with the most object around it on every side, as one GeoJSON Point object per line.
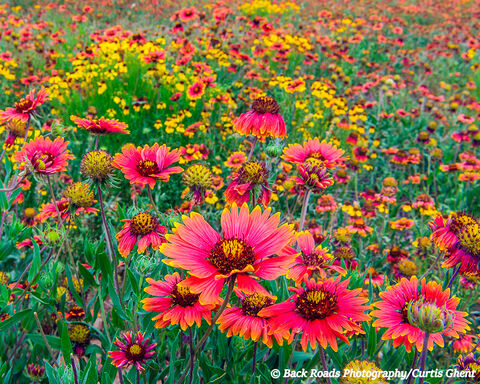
{"type": "Point", "coordinates": [262, 191]}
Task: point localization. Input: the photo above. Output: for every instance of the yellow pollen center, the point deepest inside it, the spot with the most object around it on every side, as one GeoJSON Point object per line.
{"type": "Point", "coordinates": [316, 303]}
{"type": "Point", "coordinates": [232, 254]}
{"type": "Point", "coordinates": [143, 223]}
{"type": "Point", "coordinates": [135, 350]}
{"type": "Point", "coordinates": [251, 305]}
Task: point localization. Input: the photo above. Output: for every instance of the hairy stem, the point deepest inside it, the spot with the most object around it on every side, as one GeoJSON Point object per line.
{"type": "Point", "coordinates": [324, 363]}
{"type": "Point", "coordinates": [254, 144]}
{"type": "Point", "coordinates": [423, 356]}
{"type": "Point", "coordinates": [109, 241]}
{"type": "Point", "coordinates": [304, 210]}
{"type": "Point", "coordinates": [202, 341]}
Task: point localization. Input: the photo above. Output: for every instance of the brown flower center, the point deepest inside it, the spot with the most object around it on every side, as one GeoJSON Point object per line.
{"type": "Point", "coordinates": [316, 303]}
{"type": "Point", "coordinates": [143, 223]}
{"type": "Point", "coordinates": [147, 168]}
{"type": "Point", "coordinates": [316, 259]}
{"type": "Point", "coordinates": [183, 296]}
{"type": "Point", "coordinates": [135, 352]}
{"type": "Point", "coordinates": [253, 172]}
{"type": "Point", "coordinates": [251, 305]}
{"type": "Point", "coordinates": [344, 253]}
{"type": "Point", "coordinates": [232, 254]}
{"type": "Point", "coordinates": [23, 106]}
{"type": "Point", "coordinates": [265, 104]}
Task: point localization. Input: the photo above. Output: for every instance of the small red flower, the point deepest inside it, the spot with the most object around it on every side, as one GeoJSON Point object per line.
{"type": "Point", "coordinates": [44, 156]}
{"type": "Point", "coordinates": [134, 350]}
{"type": "Point", "coordinates": [101, 126]}
{"type": "Point", "coordinates": [175, 304]}
{"type": "Point", "coordinates": [144, 228]}
{"type": "Point", "coordinates": [26, 107]}
{"type": "Point", "coordinates": [146, 165]}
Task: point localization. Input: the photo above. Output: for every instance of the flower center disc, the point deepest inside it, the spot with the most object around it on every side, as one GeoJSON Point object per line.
{"type": "Point", "coordinates": [253, 172]}
{"type": "Point", "coordinates": [42, 160]}
{"type": "Point", "coordinates": [316, 304]}
{"type": "Point", "coordinates": [265, 104]}
{"type": "Point", "coordinates": [147, 168]}
{"type": "Point", "coordinates": [183, 297]}
{"type": "Point", "coordinates": [232, 254]}
{"type": "Point", "coordinates": [135, 350]}
{"type": "Point", "coordinates": [23, 106]}
{"type": "Point", "coordinates": [251, 305]}
{"type": "Point", "coordinates": [143, 223]}
{"type": "Point", "coordinates": [314, 259]}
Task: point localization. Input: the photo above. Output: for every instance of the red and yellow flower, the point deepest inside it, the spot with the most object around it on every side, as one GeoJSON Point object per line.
{"type": "Point", "coordinates": [243, 320]}
{"type": "Point", "coordinates": [400, 311]}
{"type": "Point", "coordinates": [146, 165]}
{"type": "Point", "coordinates": [144, 228]}
{"type": "Point", "coordinates": [321, 310]}
{"type": "Point", "coordinates": [246, 248]}
{"type": "Point", "coordinates": [175, 304]}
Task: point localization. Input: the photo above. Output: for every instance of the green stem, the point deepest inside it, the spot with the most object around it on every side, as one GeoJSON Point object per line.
{"type": "Point", "coordinates": [153, 202]}
{"type": "Point", "coordinates": [254, 144]}
{"type": "Point", "coordinates": [110, 246]}
{"type": "Point", "coordinates": [304, 210]}
{"type": "Point", "coordinates": [324, 363]}
{"type": "Point", "coordinates": [53, 197]}
{"type": "Point", "coordinates": [423, 357]}
{"type": "Point", "coordinates": [202, 341]}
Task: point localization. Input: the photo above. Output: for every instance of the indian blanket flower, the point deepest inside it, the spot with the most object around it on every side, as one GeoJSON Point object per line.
{"type": "Point", "coordinates": [135, 350]}
{"type": "Point", "coordinates": [101, 126]}
{"type": "Point", "coordinates": [198, 179]}
{"type": "Point", "coordinates": [175, 304]}
{"type": "Point", "coordinates": [64, 208]}
{"type": "Point", "coordinates": [146, 165]}
{"type": "Point", "coordinates": [408, 310]}
{"type": "Point", "coordinates": [312, 259]}
{"type": "Point", "coordinates": [44, 156]}
{"type": "Point", "coordinates": [144, 228]}
{"type": "Point", "coordinates": [402, 224]}
{"type": "Point", "coordinates": [243, 320]}
{"type": "Point", "coordinates": [245, 249]}
{"type": "Point", "coordinates": [97, 165]}
{"type": "Point", "coordinates": [313, 176]}
{"type": "Point", "coordinates": [262, 121]}
{"type": "Point", "coordinates": [16, 129]}
{"type": "Point", "coordinates": [464, 344]}
{"type": "Point", "coordinates": [79, 194]}
{"type": "Point", "coordinates": [322, 152]}
{"type": "Point", "coordinates": [236, 160]}
{"type": "Point", "coordinates": [250, 180]}
{"type": "Point", "coordinates": [321, 310]}
{"type": "Point", "coordinates": [470, 363]}
{"type": "Point", "coordinates": [459, 237]}
{"type": "Point", "coordinates": [25, 107]}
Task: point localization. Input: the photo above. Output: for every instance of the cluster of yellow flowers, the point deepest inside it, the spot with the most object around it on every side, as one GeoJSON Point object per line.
{"type": "Point", "coordinates": [266, 7]}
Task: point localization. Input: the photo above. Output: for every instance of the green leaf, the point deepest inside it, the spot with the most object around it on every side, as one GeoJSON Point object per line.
{"type": "Point", "coordinates": [65, 340]}
{"type": "Point", "coordinates": [87, 276]}
{"type": "Point", "coordinates": [36, 262]}
{"type": "Point", "coordinates": [372, 341]}
{"type": "Point", "coordinates": [17, 317]}
{"type": "Point", "coordinates": [37, 339]}
{"type": "Point", "coordinates": [133, 282]}
{"type": "Point", "coordinates": [90, 375]}
{"type": "Point", "coordinates": [71, 286]}
{"type": "Point", "coordinates": [116, 300]}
